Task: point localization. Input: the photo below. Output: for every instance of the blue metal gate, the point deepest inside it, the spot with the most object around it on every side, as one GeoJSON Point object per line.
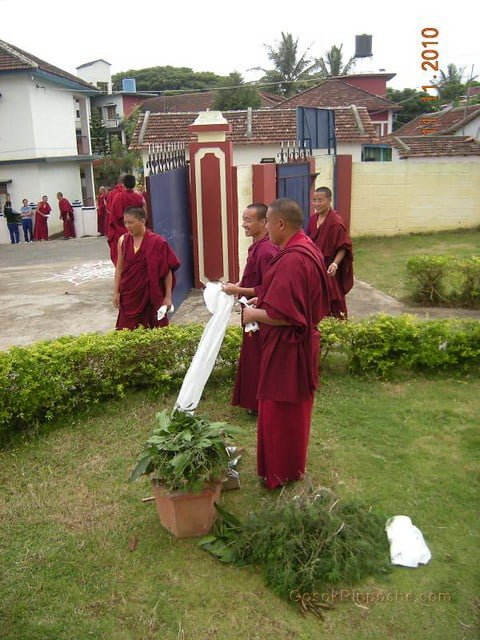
{"type": "Point", "coordinates": [293, 181]}
{"type": "Point", "coordinates": [171, 218]}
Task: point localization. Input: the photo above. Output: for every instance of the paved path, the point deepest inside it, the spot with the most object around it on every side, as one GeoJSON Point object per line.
{"type": "Point", "coordinates": [54, 288]}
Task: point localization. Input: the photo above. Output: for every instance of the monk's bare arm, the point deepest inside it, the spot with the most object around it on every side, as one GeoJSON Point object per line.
{"type": "Point", "coordinates": [260, 315]}
{"type": "Point", "coordinates": [118, 275]}
{"type": "Point", "coordinates": [168, 289]}
{"type": "Point", "coordinates": [339, 256]}
{"type": "Point", "coordinates": [235, 290]}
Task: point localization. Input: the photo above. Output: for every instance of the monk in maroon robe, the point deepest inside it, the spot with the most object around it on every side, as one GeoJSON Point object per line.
{"type": "Point", "coordinates": [144, 274]}
{"type": "Point", "coordinates": [42, 212]}
{"type": "Point", "coordinates": [259, 255]}
{"type": "Point", "coordinates": [123, 200]}
{"type": "Point", "coordinates": [66, 214]}
{"type": "Point", "coordinates": [291, 302]}
{"type": "Point", "coordinates": [102, 210]}
{"type": "Point", "coordinates": [327, 230]}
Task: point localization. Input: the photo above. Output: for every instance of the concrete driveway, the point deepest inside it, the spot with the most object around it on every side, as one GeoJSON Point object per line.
{"type": "Point", "coordinates": [64, 287]}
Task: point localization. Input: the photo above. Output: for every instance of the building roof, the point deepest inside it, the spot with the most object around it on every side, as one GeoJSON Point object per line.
{"type": "Point", "coordinates": [14, 59]}
{"type": "Point", "coordinates": [334, 92]}
{"type": "Point", "coordinates": [88, 64]}
{"type": "Point", "coordinates": [446, 121]}
{"type": "Point", "coordinates": [435, 146]}
{"type": "Point", "coordinates": [194, 102]}
{"type": "Point", "coordinates": [269, 126]}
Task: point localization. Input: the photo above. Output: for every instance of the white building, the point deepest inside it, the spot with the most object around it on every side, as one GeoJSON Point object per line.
{"type": "Point", "coordinates": [40, 151]}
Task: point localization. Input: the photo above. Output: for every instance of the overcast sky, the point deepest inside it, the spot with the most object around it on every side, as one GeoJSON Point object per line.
{"type": "Point", "coordinates": [224, 36]}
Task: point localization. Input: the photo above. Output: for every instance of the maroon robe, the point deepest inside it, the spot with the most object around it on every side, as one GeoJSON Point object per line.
{"type": "Point", "coordinates": [66, 214]}
{"type": "Point", "coordinates": [142, 283]}
{"type": "Point", "coordinates": [329, 237]}
{"type": "Point", "coordinates": [294, 289]}
{"type": "Point", "coordinates": [246, 382]}
{"type": "Point", "coordinates": [40, 231]}
{"type": "Point", "coordinates": [116, 228]}
{"type": "Point", "coordinates": [102, 213]}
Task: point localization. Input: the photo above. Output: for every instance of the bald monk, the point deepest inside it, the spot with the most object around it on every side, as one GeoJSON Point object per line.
{"type": "Point", "coordinates": [259, 255]}
{"type": "Point", "coordinates": [144, 274]}
{"type": "Point", "coordinates": [123, 199]}
{"type": "Point", "coordinates": [291, 302]}
{"type": "Point", "coordinates": [66, 214]}
{"type": "Point", "coordinates": [328, 231]}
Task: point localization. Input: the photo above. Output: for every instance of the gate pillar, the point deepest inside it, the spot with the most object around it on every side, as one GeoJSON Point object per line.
{"type": "Point", "coordinates": [214, 208]}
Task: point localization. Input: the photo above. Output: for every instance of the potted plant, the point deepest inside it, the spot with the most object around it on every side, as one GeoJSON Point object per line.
{"type": "Point", "coordinates": [187, 458]}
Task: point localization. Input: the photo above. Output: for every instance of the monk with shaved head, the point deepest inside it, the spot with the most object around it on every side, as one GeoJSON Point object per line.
{"type": "Point", "coordinates": [292, 300]}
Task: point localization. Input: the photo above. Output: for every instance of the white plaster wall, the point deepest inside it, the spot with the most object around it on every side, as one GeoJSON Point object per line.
{"type": "Point", "coordinates": [108, 100]}
{"type": "Point", "coordinates": [99, 71]}
{"type": "Point", "coordinates": [471, 129]}
{"type": "Point", "coordinates": [253, 153]}
{"type": "Point", "coordinates": [17, 139]}
{"type": "Point", "coordinates": [32, 181]}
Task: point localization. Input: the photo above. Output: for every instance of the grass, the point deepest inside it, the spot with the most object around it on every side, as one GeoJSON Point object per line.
{"type": "Point", "coordinates": [381, 261]}
{"type": "Point", "coordinates": [68, 521]}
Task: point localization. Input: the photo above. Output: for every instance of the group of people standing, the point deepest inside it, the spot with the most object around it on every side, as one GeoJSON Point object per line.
{"type": "Point", "coordinates": [293, 279]}
{"type": "Point", "coordinates": [34, 219]}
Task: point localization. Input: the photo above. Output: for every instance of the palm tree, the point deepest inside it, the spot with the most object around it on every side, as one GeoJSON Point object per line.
{"type": "Point", "coordinates": [451, 85]}
{"type": "Point", "coordinates": [332, 63]}
{"type": "Point", "coordinates": [289, 66]}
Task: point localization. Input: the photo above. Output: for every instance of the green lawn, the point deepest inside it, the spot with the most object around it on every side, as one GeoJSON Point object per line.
{"type": "Point", "coordinates": [381, 261]}
{"type": "Point", "coordinates": [67, 516]}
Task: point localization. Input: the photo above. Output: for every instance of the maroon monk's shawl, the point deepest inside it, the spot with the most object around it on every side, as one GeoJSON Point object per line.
{"type": "Point", "coordinates": [41, 224]}
{"type": "Point", "coordinates": [329, 237]}
{"type": "Point", "coordinates": [246, 381]}
{"type": "Point", "coordinates": [116, 228]}
{"type": "Point", "coordinates": [66, 214]}
{"type": "Point", "coordinates": [142, 285]}
{"type": "Point", "coordinates": [294, 289]}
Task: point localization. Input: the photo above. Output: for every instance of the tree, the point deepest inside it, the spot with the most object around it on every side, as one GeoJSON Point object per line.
{"type": "Point", "coordinates": [168, 78]}
{"type": "Point", "coordinates": [451, 86]}
{"type": "Point", "coordinates": [98, 132]}
{"type": "Point", "coordinates": [332, 63]}
{"type": "Point", "coordinates": [236, 94]}
{"type": "Point", "coordinates": [411, 103]}
{"type": "Point", "coordinates": [119, 160]}
{"type": "Point", "coordinates": [130, 122]}
{"type": "Point", "coordinates": [290, 68]}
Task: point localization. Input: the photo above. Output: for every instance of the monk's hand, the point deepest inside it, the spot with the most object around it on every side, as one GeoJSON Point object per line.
{"type": "Point", "coordinates": [230, 288]}
{"type": "Point", "coordinates": [248, 315]}
{"type": "Point", "coordinates": [116, 300]}
{"type": "Point", "coordinates": [167, 300]}
{"type": "Point", "coordinates": [332, 269]}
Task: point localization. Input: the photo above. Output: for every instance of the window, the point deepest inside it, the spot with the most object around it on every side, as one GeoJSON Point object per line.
{"type": "Point", "coordinates": [376, 153]}
{"type": "Point", "coordinates": [103, 86]}
{"type": "Point", "coordinates": [111, 112]}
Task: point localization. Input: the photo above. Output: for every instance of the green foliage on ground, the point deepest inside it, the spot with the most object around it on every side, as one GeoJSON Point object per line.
{"type": "Point", "coordinates": [55, 379]}
{"type": "Point", "coordinates": [310, 543]}
{"type": "Point", "coordinates": [444, 280]}
{"type": "Point", "coordinates": [381, 261]}
{"type": "Point", "coordinates": [82, 556]}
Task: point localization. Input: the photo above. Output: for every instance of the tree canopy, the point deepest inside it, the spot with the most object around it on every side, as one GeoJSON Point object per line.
{"type": "Point", "coordinates": [168, 78]}
{"type": "Point", "coordinates": [234, 94]}
{"type": "Point", "coordinates": [412, 105]}
{"type": "Point", "coordinates": [332, 63]}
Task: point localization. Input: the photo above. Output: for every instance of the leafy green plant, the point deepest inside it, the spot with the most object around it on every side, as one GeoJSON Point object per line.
{"type": "Point", "coordinates": [307, 543]}
{"type": "Point", "coordinates": [185, 452]}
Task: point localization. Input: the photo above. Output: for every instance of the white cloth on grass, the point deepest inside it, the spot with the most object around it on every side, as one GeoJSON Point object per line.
{"type": "Point", "coordinates": [407, 546]}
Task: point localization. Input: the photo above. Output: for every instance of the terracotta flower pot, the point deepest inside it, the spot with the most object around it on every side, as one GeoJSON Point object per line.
{"type": "Point", "coordinates": [187, 515]}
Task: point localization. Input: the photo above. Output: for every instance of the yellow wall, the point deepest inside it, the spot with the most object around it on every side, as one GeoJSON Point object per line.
{"type": "Point", "coordinates": [390, 198]}
{"type": "Point", "coordinates": [324, 168]}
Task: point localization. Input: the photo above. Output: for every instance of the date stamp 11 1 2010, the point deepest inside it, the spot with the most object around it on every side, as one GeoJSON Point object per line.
{"type": "Point", "coordinates": [429, 63]}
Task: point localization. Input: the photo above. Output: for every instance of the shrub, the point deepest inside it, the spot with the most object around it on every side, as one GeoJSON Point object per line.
{"type": "Point", "coordinates": [444, 280]}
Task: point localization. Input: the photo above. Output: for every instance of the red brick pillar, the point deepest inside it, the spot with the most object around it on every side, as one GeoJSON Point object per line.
{"type": "Point", "coordinates": [214, 210]}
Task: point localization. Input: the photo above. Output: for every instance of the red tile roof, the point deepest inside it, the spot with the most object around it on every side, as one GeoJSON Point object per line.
{"type": "Point", "coordinates": [194, 102]}
{"type": "Point", "coordinates": [269, 126]}
{"type": "Point", "coordinates": [333, 92]}
{"type": "Point", "coordinates": [435, 146]}
{"type": "Point", "coordinates": [14, 59]}
{"type": "Point", "coordinates": [449, 121]}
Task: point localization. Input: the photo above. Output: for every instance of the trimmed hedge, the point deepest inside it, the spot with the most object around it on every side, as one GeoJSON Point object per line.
{"type": "Point", "coordinates": [444, 280]}
{"type": "Point", "coordinates": [50, 379]}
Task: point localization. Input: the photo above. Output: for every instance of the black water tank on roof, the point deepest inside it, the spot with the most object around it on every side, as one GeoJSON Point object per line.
{"type": "Point", "coordinates": [363, 46]}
